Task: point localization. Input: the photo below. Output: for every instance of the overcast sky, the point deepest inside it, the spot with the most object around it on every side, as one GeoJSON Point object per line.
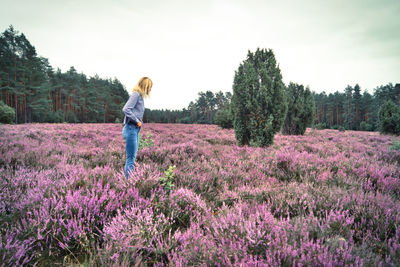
{"type": "Point", "coordinates": [189, 46]}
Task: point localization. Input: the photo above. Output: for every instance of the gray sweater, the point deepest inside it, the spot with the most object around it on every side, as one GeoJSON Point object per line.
{"type": "Point", "coordinates": [134, 109]}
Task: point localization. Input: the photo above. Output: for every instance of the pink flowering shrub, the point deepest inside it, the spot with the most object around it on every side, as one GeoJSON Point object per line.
{"type": "Point", "coordinates": [183, 206]}
{"type": "Point", "coordinates": [146, 179]}
{"type": "Point", "coordinates": [326, 198]}
{"type": "Point", "coordinates": [250, 235]}
{"type": "Point", "coordinates": [138, 233]}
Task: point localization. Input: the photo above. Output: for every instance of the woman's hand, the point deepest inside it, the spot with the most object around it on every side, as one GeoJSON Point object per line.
{"type": "Point", "coordinates": [139, 124]}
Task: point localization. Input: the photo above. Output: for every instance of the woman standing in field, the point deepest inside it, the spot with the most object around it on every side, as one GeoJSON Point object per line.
{"type": "Point", "coordinates": [133, 110]}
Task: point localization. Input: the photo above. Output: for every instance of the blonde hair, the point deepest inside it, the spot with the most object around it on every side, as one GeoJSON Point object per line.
{"type": "Point", "coordinates": [143, 87]}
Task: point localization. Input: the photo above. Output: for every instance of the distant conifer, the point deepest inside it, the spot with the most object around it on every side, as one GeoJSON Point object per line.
{"type": "Point", "coordinates": [7, 114]}
{"type": "Point", "coordinates": [223, 117]}
{"type": "Point", "coordinates": [300, 109]}
{"type": "Point", "coordinates": [389, 118]}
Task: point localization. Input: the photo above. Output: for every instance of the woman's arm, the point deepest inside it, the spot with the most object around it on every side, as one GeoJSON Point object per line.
{"type": "Point", "coordinates": [128, 108]}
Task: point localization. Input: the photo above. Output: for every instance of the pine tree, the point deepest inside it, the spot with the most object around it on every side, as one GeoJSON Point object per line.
{"type": "Point", "coordinates": [330, 111]}
{"type": "Point", "coordinates": [320, 109]}
{"type": "Point", "coordinates": [300, 112]}
{"type": "Point", "coordinates": [201, 105]}
{"type": "Point", "coordinates": [382, 94]}
{"type": "Point", "coordinates": [258, 102]}
{"type": "Point", "coordinates": [223, 117]}
{"type": "Point", "coordinates": [397, 93]}
{"type": "Point", "coordinates": [366, 106]}
{"type": "Point", "coordinates": [389, 118]}
{"type": "Point", "coordinates": [348, 108]}
{"type": "Point", "coordinates": [357, 107]}
{"type": "Point", "coordinates": [339, 98]}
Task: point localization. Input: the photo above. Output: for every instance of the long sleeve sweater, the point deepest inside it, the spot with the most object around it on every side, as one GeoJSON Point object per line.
{"type": "Point", "coordinates": [134, 109]}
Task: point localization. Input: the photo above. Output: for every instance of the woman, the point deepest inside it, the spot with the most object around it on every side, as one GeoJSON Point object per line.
{"type": "Point", "coordinates": [133, 110]}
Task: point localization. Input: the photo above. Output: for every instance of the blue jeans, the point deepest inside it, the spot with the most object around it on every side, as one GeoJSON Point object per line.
{"type": "Point", "coordinates": [131, 136]}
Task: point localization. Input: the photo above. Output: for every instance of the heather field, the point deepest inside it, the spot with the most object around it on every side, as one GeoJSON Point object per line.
{"type": "Point", "coordinates": [327, 198]}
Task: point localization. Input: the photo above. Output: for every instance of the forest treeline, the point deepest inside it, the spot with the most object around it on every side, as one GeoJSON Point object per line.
{"type": "Point", "coordinates": [353, 109]}
{"type": "Point", "coordinates": [201, 111]}
{"type": "Point", "coordinates": [38, 93]}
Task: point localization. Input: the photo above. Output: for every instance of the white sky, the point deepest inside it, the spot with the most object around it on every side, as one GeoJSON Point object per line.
{"type": "Point", "coordinates": [188, 46]}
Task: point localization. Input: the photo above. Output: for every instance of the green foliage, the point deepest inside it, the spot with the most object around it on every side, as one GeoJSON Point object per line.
{"type": "Point", "coordinates": [185, 120]}
{"type": "Point", "coordinates": [258, 102]}
{"type": "Point", "coordinates": [224, 118]}
{"type": "Point", "coordinates": [167, 181]}
{"type": "Point", "coordinates": [364, 126]}
{"type": "Point", "coordinates": [389, 118]}
{"type": "Point", "coordinates": [146, 141]}
{"type": "Point", "coordinates": [395, 146]}
{"type": "Point", "coordinates": [57, 117]}
{"type": "Point", "coordinates": [202, 110]}
{"type": "Point", "coordinates": [357, 107]}
{"type": "Point", "coordinates": [117, 120]}
{"type": "Point", "coordinates": [71, 117]}
{"type": "Point", "coordinates": [348, 107]}
{"type": "Point", "coordinates": [7, 114]}
{"type": "Point", "coordinates": [300, 109]}
{"type": "Point", "coordinates": [320, 126]}
{"type": "Point", "coordinates": [341, 129]}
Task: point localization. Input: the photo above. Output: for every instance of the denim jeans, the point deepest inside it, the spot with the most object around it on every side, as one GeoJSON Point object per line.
{"type": "Point", "coordinates": [131, 136]}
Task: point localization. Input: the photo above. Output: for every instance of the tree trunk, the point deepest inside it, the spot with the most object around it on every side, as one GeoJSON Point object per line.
{"type": "Point", "coordinates": [105, 111]}
{"type": "Point", "coordinates": [337, 114]}
{"type": "Point", "coordinates": [16, 109]}
{"type": "Point", "coordinates": [25, 109]}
